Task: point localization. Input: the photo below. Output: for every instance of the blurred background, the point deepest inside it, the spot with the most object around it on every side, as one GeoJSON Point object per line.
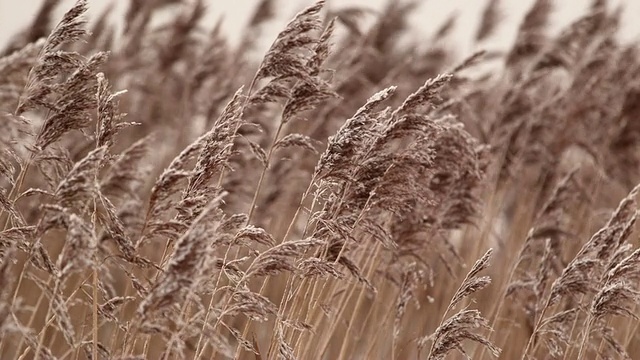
{"type": "Point", "coordinates": [14, 15]}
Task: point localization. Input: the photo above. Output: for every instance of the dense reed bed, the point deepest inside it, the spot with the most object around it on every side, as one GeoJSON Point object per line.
{"type": "Point", "coordinates": [166, 194]}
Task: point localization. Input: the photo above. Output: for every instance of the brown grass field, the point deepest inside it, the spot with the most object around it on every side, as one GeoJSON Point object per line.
{"type": "Point", "coordinates": [345, 195]}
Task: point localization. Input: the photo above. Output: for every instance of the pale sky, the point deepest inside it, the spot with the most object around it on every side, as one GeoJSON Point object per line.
{"type": "Point", "coordinates": [16, 13]}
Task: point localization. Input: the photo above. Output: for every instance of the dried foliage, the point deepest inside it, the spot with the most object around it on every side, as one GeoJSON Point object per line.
{"type": "Point", "coordinates": [321, 201]}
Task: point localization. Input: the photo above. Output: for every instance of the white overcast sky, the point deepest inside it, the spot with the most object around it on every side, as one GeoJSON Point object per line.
{"type": "Point", "coordinates": [15, 14]}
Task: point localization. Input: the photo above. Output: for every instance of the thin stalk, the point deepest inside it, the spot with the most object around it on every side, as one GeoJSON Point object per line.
{"type": "Point", "coordinates": [163, 259]}
{"type": "Point", "coordinates": [359, 302]}
{"type": "Point", "coordinates": [534, 334]}
{"type": "Point", "coordinates": [344, 300]}
{"type": "Point", "coordinates": [95, 312]}
{"type": "Point", "coordinates": [15, 297]}
{"type": "Point", "coordinates": [15, 190]}
{"type": "Point", "coordinates": [51, 318]}
{"type": "Point", "coordinates": [569, 351]}
{"type": "Point", "coordinates": [199, 346]}
{"type": "Point", "coordinates": [56, 288]}
{"type": "Point", "coordinates": [295, 310]}
{"type": "Point", "coordinates": [386, 319]}
{"type": "Point", "coordinates": [585, 336]}
{"type": "Point", "coordinates": [290, 278]}
{"type": "Point", "coordinates": [183, 313]}
{"type": "Point", "coordinates": [631, 330]}
{"type": "Point", "coordinates": [276, 136]}
{"type": "Point", "coordinates": [342, 249]}
{"type": "Point", "coordinates": [94, 330]}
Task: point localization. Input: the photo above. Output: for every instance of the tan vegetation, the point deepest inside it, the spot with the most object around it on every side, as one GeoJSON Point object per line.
{"type": "Point", "coordinates": [346, 196]}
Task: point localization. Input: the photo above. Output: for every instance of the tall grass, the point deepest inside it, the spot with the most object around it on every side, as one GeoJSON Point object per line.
{"type": "Point", "coordinates": [344, 196]}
